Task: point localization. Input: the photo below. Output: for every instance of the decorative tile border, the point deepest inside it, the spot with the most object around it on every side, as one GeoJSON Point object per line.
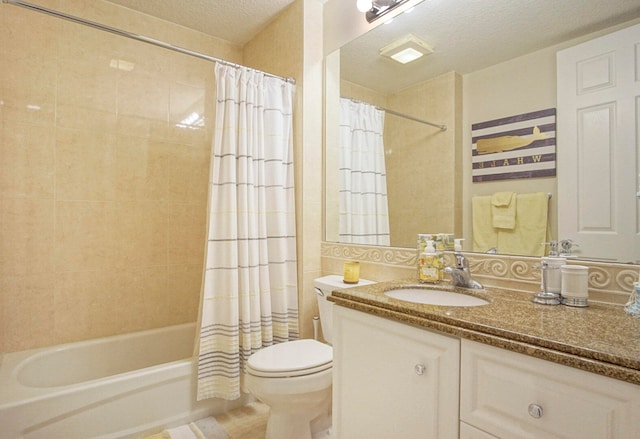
{"type": "Point", "coordinates": [608, 282]}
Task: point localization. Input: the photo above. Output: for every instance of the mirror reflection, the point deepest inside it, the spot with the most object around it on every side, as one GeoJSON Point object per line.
{"type": "Point", "coordinates": [483, 63]}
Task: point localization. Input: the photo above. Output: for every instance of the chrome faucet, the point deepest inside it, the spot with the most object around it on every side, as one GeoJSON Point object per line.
{"type": "Point", "coordinates": [461, 275]}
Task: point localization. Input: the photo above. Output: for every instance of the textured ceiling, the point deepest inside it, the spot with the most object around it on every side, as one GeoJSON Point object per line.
{"type": "Point", "coordinates": [468, 35]}
{"type": "Point", "coordinates": [236, 21]}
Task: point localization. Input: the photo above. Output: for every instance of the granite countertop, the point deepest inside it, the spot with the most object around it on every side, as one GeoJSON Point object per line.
{"type": "Point", "coordinates": [600, 338]}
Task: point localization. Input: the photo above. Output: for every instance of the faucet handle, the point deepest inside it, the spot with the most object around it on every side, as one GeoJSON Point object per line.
{"type": "Point", "coordinates": [461, 261]}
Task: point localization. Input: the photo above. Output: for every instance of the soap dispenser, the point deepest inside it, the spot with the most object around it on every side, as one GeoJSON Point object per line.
{"type": "Point", "coordinates": [430, 266]}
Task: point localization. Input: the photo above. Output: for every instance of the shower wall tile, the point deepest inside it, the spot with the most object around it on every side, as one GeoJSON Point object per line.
{"type": "Point", "coordinates": [183, 280]}
{"type": "Point", "coordinates": [31, 298]}
{"type": "Point", "coordinates": [86, 84]}
{"type": "Point", "coordinates": [85, 165]}
{"type": "Point", "coordinates": [28, 90]}
{"type": "Point", "coordinates": [103, 191]}
{"type": "Point", "coordinates": [30, 150]}
{"type": "Point", "coordinates": [143, 296]}
{"type": "Point", "coordinates": [26, 236]}
{"type": "Point", "coordinates": [85, 304]}
{"type": "Point", "coordinates": [84, 236]}
{"type": "Point", "coordinates": [188, 173]}
{"type": "Point", "coordinates": [186, 233]}
{"type": "Point", "coordinates": [143, 96]}
{"type": "Point", "coordinates": [135, 126]}
{"type": "Point", "coordinates": [39, 45]}
{"type": "Point", "coordinates": [79, 118]}
{"type": "Point", "coordinates": [139, 233]}
{"type": "Point", "coordinates": [141, 169]}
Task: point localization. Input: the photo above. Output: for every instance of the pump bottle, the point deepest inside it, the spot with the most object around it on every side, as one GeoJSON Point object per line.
{"type": "Point", "coordinates": [430, 266]}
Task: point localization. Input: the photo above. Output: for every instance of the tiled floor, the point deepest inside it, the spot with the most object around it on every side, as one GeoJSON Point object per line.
{"type": "Point", "coordinates": [248, 422]}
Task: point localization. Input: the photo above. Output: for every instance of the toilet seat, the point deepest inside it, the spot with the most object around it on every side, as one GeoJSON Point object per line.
{"type": "Point", "coordinates": [291, 359]}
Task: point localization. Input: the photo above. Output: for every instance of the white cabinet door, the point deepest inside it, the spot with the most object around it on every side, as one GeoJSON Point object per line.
{"type": "Point", "coordinates": [469, 432]}
{"type": "Point", "coordinates": [513, 395]}
{"type": "Point", "coordinates": [598, 125]}
{"type": "Point", "coordinates": [392, 380]}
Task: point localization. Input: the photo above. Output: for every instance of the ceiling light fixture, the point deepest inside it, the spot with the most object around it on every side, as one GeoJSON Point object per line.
{"type": "Point", "coordinates": [406, 49]}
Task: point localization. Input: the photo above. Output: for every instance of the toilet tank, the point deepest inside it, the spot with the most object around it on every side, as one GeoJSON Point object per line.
{"type": "Point", "coordinates": [323, 287]}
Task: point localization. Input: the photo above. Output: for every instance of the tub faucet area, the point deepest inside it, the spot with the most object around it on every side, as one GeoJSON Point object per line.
{"type": "Point", "coordinates": [461, 275]}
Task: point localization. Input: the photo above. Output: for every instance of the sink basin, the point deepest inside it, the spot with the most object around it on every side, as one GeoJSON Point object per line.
{"type": "Point", "coordinates": [431, 296]}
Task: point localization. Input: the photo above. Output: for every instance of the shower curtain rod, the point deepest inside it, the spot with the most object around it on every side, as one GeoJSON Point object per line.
{"type": "Point", "coordinates": [133, 36]}
{"type": "Point", "coordinates": [395, 113]}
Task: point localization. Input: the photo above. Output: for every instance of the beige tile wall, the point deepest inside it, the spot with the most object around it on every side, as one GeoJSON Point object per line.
{"type": "Point", "coordinates": [608, 283]}
{"type": "Point", "coordinates": [102, 190]}
{"type": "Point", "coordinates": [422, 180]}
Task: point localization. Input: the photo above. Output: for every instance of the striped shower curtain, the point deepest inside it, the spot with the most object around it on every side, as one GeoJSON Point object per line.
{"type": "Point", "coordinates": [249, 294]}
{"type": "Point", "coordinates": [364, 216]}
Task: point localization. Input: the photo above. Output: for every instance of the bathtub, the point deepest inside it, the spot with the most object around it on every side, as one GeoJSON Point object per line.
{"type": "Point", "coordinates": [124, 386]}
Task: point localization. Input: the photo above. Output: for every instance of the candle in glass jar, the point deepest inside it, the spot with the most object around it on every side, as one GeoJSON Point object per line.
{"type": "Point", "coordinates": [351, 272]}
{"type": "Point", "coordinates": [575, 285]}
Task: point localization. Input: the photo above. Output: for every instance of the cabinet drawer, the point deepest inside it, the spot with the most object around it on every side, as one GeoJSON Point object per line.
{"type": "Point", "coordinates": [512, 395]}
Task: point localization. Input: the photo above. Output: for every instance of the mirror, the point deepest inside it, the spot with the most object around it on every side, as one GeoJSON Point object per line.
{"type": "Point", "coordinates": [503, 55]}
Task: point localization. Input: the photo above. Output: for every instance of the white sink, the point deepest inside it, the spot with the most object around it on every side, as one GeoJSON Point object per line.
{"type": "Point", "coordinates": [431, 296]}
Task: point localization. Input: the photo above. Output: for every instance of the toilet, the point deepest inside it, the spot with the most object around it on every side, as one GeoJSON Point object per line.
{"type": "Point", "coordinates": [294, 378]}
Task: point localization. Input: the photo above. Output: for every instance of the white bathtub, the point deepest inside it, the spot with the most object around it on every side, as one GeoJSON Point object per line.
{"type": "Point", "coordinates": [125, 386]}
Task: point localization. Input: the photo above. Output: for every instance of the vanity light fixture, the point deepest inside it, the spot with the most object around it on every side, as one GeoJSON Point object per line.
{"type": "Point", "coordinates": [364, 5]}
{"type": "Point", "coordinates": [406, 49]}
{"type": "Point", "coordinates": [375, 9]}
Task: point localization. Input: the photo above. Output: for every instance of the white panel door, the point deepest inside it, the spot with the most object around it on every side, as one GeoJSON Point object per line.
{"type": "Point", "coordinates": [598, 123]}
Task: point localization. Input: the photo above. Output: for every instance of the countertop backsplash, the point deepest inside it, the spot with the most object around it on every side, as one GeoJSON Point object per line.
{"type": "Point", "coordinates": [609, 283]}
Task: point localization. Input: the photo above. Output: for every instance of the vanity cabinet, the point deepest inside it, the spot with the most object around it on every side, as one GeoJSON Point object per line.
{"type": "Point", "coordinates": [393, 380]}
{"type": "Point", "coordinates": [511, 395]}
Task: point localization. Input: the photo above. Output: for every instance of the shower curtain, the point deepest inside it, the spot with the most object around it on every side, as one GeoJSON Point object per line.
{"type": "Point", "coordinates": [249, 294]}
{"type": "Point", "coordinates": [364, 217]}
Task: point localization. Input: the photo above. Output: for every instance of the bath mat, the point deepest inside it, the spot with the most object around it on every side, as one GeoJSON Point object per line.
{"type": "Point", "coordinates": [207, 428]}
{"type": "Point", "coordinates": [247, 422]}
{"type": "Point", "coordinates": [211, 429]}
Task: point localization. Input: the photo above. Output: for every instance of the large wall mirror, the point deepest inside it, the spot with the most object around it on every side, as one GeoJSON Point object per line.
{"type": "Point", "coordinates": [489, 60]}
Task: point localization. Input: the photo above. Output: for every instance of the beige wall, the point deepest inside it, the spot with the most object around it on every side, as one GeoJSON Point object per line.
{"type": "Point", "coordinates": [520, 85]}
{"type": "Point", "coordinates": [422, 178]}
{"type": "Point", "coordinates": [517, 86]}
{"type": "Point", "coordinates": [103, 192]}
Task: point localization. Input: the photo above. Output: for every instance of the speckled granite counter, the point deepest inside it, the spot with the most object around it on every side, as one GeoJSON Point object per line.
{"type": "Point", "coordinates": [600, 339]}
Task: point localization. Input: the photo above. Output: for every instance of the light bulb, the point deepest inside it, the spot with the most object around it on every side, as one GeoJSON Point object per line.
{"type": "Point", "coordinates": [364, 5]}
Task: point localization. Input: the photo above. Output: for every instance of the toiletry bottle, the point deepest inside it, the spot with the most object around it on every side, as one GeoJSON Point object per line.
{"type": "Point", "coordinates": [429, 265]}
{"type": "Point", "coordinates": [458, 244]}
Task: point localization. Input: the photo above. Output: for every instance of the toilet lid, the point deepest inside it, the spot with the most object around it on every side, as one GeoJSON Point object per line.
{"type": "Point", "coordinates": [293, 358]}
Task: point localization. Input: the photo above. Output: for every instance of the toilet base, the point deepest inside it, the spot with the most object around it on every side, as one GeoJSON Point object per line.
{"type": "Point", "coordinates": [300, 424]}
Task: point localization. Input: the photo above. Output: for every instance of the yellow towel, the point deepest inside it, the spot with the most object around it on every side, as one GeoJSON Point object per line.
{"type": "Point", "coordinates": [531, 228]}
{"type": "Point", "coordinates": [485, 236]}
{"type": "Point", "coordinates": [503, 210]}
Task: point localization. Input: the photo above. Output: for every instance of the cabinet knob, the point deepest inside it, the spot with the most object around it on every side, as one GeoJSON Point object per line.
{"type": "Point", "coordinates": [535, 411]}
{"type": "Point", "coordinates": [420, 369]}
